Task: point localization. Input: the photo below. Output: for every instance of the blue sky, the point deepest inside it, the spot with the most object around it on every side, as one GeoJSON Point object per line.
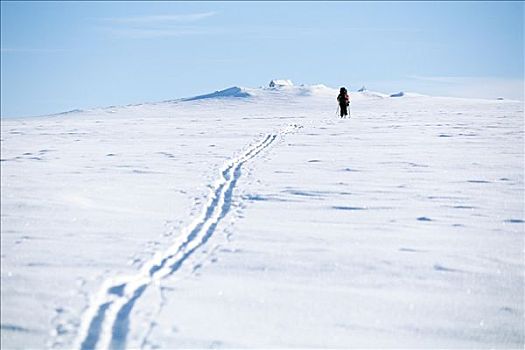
{"type": "Point", "coordinates": [58, 56]}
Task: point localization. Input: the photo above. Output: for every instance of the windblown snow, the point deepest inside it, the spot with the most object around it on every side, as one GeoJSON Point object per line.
{"type": "Point", "coordinates": [255, 217]}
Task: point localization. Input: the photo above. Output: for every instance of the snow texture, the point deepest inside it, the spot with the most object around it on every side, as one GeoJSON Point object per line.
{"type": "Point", "coordinates": [258, 218]}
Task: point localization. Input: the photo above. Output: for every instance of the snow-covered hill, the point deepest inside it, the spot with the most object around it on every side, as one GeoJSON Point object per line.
{"type": "Point", "coordinates": [255, 217]}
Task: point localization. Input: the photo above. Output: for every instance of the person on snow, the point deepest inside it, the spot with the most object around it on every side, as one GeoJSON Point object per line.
{"type": "Point", "coordinates": [344, 102]}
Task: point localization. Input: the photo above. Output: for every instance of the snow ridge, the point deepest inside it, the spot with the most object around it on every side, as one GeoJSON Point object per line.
{"type": "Point", "coordinates": [106, 322]}
{"type": "Point", "coordinates": [234, 91]}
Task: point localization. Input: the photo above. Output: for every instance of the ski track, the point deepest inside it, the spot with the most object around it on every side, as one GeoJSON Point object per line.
{"type": "Point", "coordinates": [106, 321]}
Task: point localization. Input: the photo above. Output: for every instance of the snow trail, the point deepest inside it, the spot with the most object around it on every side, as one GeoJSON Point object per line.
{"type": "Point", "coordinates": [106, 321]}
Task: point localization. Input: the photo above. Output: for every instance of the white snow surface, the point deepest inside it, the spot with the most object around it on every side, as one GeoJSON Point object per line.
{"type": "Point", "coordinates": [258, 218]}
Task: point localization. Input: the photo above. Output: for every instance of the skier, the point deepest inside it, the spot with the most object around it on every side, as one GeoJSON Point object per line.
{"type": "Point", "coordinates": [344, 101]}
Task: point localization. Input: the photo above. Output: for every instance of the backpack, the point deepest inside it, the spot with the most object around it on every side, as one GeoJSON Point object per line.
{"type": "Point", "coordinates": [343, 98]}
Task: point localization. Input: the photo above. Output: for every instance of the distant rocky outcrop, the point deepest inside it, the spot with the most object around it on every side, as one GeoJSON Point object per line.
{"type": "Point", "coordinates": [399, 94]}
{"type": "Point", "coordinates": [280, 83]}
{"type": "Point", "coordinates": [230, 92]}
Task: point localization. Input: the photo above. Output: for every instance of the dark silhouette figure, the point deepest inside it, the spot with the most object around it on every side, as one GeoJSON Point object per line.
{"type": "Point", "coordinates": [344, 102]}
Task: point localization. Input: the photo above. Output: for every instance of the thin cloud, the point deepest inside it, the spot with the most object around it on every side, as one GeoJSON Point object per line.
{"type": "Point", "coordinates": [154, 19]}
{"type": "Point", "coordinates": [144, 33]}
{"type": "Point", "coordinates": [156, 26]}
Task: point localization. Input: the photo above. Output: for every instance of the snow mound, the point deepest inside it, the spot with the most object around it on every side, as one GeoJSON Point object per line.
{"type": "Point", "coordinates": [407, 94]}
{"type": "Point", "coordinates": [369, 94]}
{"type": "Point", "coordinates": [276, 83]}
{"type": "Point", "coordinates": [316, 90]}
{"type": "Point", "coordinates": [414, 94]}
{"type": "Point", "coordinates": [230, 92]}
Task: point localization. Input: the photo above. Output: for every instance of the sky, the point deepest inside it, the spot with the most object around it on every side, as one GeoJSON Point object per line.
{"type": "Point", "coordinates": [59, 56]}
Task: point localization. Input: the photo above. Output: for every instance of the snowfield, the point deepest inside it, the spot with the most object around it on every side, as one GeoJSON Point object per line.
{"type": "Point", "coordinates": [255, 217]}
